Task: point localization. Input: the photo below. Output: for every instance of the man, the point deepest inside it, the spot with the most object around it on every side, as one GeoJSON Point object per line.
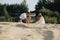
{"type": "Point", "coordinates": [23, 17]}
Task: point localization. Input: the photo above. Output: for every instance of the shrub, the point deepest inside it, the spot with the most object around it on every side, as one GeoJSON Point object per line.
{"type": "Point", "coordinates": [51, 19]}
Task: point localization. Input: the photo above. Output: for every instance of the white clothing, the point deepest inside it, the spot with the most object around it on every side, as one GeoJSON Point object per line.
{"type": "Point", "coordinates": [41, 21]}
{"type": "Point", "coordinates": [23, 16]}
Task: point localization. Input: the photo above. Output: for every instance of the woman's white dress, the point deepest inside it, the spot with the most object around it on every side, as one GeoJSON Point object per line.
{"type": "Point", "coordinates": [41, 20]}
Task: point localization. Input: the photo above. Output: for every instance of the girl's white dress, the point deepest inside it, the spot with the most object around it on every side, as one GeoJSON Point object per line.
{"type": "Point", "coordinates": [41, 20]}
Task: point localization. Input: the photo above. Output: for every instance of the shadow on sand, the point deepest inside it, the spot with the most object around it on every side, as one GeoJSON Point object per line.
{"type": "Point", "coordinates": [48, 35]}
{"type": "Point", "coordinates": [21, 25]}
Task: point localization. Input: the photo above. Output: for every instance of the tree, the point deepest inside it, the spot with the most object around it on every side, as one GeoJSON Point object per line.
{"type": "Point", "coordinates": [6, 14]}
{"type": "Point", "coordinates": [48, 9]}
{"type": "Point", "coordinates": [23, 7]}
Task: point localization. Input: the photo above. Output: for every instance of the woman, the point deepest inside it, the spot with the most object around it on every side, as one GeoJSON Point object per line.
{"type": "Point", "coordinates": [40, 19]}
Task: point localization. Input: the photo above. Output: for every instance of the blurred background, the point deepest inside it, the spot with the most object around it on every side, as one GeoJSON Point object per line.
{"type": "Point", "coordinates": [10, 10]}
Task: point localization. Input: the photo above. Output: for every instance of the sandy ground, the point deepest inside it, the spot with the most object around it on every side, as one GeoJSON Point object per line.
{"type": "Point", "coordinates": [32, 31]}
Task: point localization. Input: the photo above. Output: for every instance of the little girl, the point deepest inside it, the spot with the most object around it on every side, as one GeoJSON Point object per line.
{"type": "Point", "coordinates": [41, 19]}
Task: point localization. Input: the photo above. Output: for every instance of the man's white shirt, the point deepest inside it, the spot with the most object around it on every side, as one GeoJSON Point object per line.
{"type": "Point", "coordinates": [23, 16]}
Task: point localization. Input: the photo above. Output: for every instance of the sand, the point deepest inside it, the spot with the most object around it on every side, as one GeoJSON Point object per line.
{"type": "Point", "coordinates": [31, 31]}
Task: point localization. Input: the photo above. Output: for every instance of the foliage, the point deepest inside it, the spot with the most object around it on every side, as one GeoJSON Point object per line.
{"type": "Point", "coordinates": [49, 9]}
{"type": "Point", "coordinates": [50, 19]}
{"type": "Point", "coordinates": [13, 11]}
{"type": "Point", "coordinates": [6, 14]}
{"type": "Point", "coordinates": [50, 16]}
{"type": "Point", "coordinates": [23, 8]}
